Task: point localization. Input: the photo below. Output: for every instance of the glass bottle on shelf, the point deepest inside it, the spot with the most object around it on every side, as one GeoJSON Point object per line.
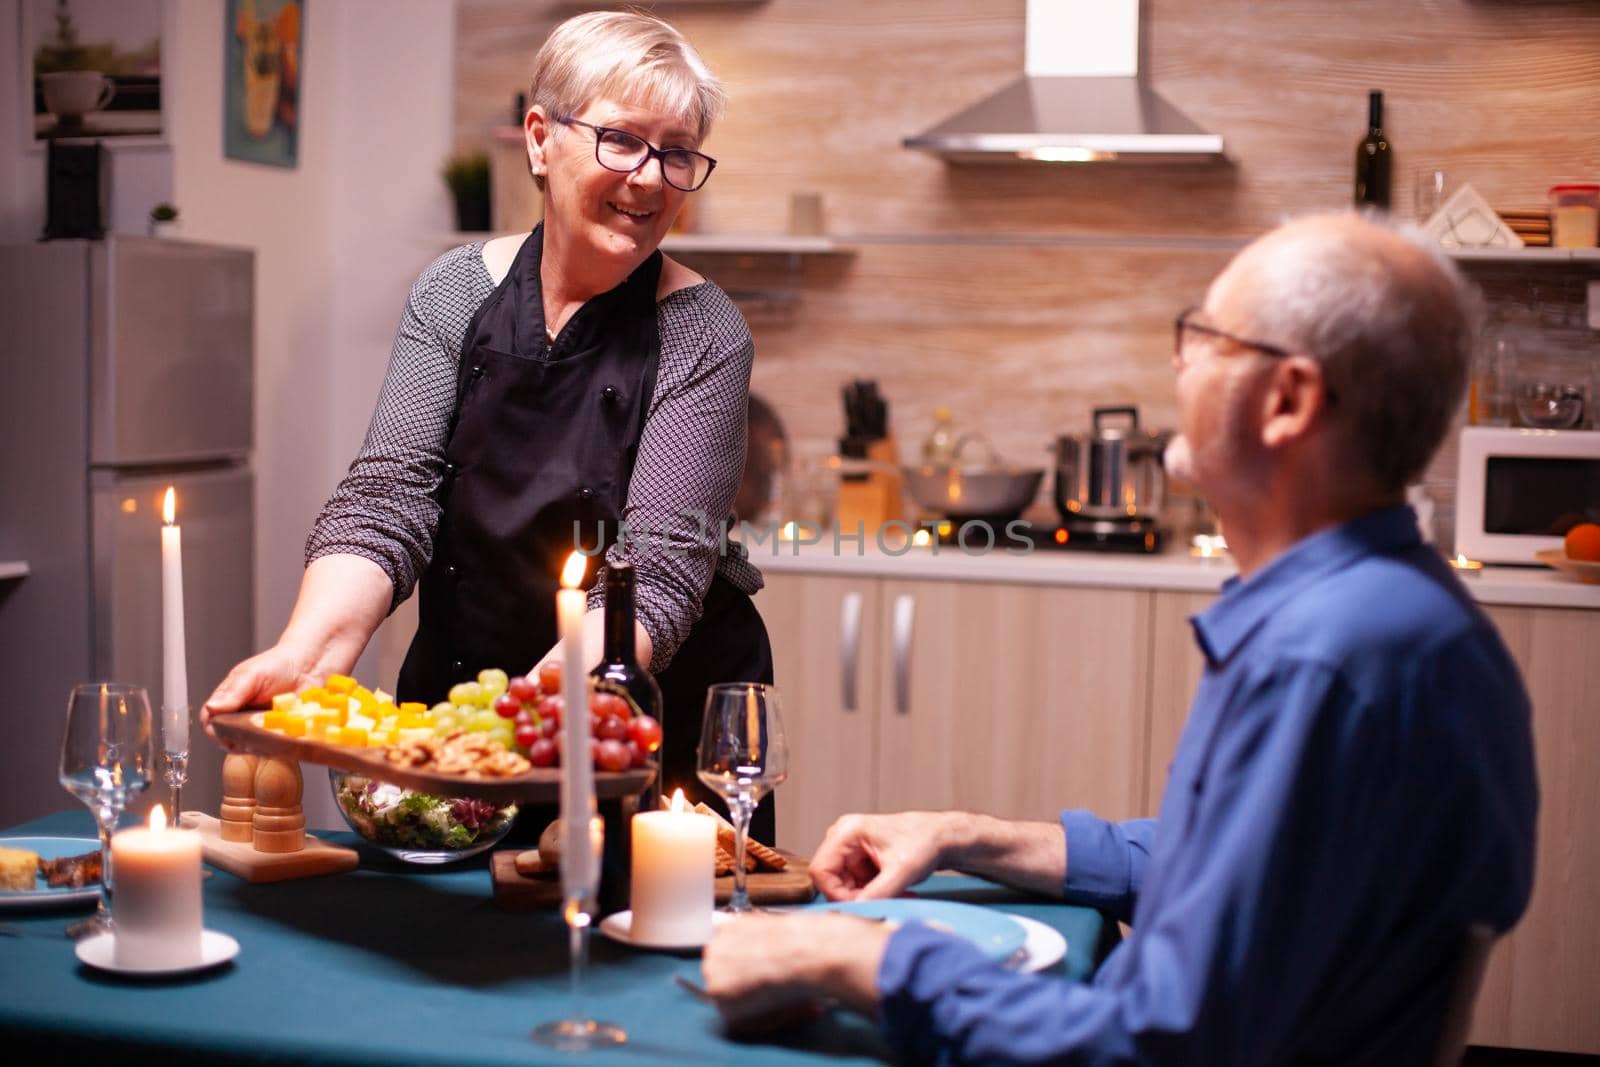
{"type": "Point", "coordinates": [939, 449]}
{"type": "Point", "coordinates": [1373, 161]}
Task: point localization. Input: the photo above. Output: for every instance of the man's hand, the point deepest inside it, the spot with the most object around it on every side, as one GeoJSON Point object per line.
{"type": "Point", "coordinates": [874, 856]}
{"type": "Point", "coordinates": [769, 971]}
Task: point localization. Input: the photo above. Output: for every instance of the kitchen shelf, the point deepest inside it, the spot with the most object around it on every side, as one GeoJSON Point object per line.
{"type": "Point", "coordinates": [1527, 256]}
{"type": "Point", "coordinates": [13, 568]}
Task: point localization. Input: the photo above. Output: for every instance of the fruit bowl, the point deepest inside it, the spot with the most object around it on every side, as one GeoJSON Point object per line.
{"type": "Point", "coordinates": [418, 827]}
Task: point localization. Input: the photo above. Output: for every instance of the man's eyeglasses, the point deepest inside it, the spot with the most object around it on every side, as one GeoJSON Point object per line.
{"type": "Point", "coordinates": [1185, 323]}
{"type": "Point", "coordinates": [623, 152]}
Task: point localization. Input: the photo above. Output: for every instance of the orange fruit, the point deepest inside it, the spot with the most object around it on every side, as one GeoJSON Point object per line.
{"type": "Point", "coordinates": [1583, 542]}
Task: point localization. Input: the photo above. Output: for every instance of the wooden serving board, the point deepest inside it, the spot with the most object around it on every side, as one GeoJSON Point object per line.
{"type": "Point", "coordinates": [520, 892]}
{"type": "Point", "coordinates": [242, 730]}
{"type": "Point", "coordinates": [240, 858]}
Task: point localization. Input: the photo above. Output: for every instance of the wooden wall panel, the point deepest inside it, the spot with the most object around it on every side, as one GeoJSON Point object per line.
{"type": "Point", "coordinates": [1022, 339]}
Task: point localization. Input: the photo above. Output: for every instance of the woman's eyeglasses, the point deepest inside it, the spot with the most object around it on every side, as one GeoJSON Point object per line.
{"type": "Point", "coordinates": [623, 152]}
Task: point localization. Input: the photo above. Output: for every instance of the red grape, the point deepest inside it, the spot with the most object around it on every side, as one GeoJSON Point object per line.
{"type": "Point", "coordinates": [550, 708]}
{"type": "Point", "coordinates": [525, 689]}
{"type": "Point", "coordinates": [524, 716]}
{"type": "Point", "coordinates": [612, 728]}
{"type": "Point", "coordinates": [550, 678]}
{"type": "Point", "coordinates": [645, 732]}
{"type": "Point", "coordinates": [543, 753]}
{"type": "Point", "coordinates": [527, 734]}
{"type": "Point", "coordinates": [612, 756]}
{"type": "Point", "coordinates": [637, 757]}
{"type": "Point", "coordinates": [507, 706]}
{"type": "Point", "coordinates": [549, 728]}
{"type": "Point", "coordinates": [603, 704]}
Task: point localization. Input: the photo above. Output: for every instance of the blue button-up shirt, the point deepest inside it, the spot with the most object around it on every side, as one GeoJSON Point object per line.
{"type": "Point", "coordinates": [1354, 788]}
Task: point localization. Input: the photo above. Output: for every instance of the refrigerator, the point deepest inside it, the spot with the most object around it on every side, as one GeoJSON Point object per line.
{"type": "Point", "coordinates": [128, 367]}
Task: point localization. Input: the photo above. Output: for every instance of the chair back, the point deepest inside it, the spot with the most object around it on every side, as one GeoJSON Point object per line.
{"type": "Point", "coordinates": [1463, 993]}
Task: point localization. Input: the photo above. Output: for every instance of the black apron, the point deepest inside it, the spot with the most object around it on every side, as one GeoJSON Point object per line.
{"type": "Point", "coordinates": [544, 437]}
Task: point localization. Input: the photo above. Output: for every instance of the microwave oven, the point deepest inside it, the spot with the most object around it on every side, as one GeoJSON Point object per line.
{"type": "Point", "coordinates": [1518, 491]}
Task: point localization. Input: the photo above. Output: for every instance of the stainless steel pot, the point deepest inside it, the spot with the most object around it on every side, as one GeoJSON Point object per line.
{"type": "Point", "coordinates": [973, 491]}
{"type": "Point", "coordinates": [1112, 473]}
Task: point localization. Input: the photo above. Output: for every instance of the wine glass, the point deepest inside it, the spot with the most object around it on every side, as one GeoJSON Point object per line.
{"type": "Point", "coordinates": [743, 755]}
{"type": "Point", "coordinates": [105, 760]}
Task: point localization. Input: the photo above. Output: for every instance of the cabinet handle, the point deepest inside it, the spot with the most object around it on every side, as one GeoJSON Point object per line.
{"type": "Point", "coordinates": [905, 614]}
{"type": "Point", "coordinates": [849, 647]}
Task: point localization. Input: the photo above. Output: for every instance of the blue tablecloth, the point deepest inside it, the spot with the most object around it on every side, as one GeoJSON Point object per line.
{"type": "Point", "coordinates": [397, 964]}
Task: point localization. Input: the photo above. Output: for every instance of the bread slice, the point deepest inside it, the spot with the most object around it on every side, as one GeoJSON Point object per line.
{"type": "Point", "coordinates": [726, 838]}
{"type": "Point", "coordinates": [18, 869]}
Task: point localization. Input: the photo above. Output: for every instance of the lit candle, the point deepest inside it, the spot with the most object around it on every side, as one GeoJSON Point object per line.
{"type": "Point", "coordinates": [579, 862]}
{"type": "Point", "coordinates": [156, 907]}
{"type": "Point", "coordinates": [174, 660]}
{"type": "Point", "coordinates": [674, 861]}
{"type": "Point", "coordinates": [1465, 566]}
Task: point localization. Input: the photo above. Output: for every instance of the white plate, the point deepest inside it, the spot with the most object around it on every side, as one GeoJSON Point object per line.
{"type": "Point", "coordinates": [99, 952]}
{"type": "Point", "coordinates": [1044, 948]}
{"type": "Point", "coordinates": [41, 895]}
{"type": "Point", "coordinates": [618, 926]}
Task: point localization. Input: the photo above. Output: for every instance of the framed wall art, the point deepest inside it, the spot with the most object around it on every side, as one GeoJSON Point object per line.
{"type": "Point", "coordinates": [261, 81]}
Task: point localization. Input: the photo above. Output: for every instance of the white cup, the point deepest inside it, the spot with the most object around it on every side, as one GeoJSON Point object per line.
{"type": "Point", "coordinates": [71, 94]}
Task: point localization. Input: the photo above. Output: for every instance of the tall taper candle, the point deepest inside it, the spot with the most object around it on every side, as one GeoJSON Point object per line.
{"type": "Point", "coordinates": [579, 864]}
{"type": "Point", "coordinates": [174, 659]}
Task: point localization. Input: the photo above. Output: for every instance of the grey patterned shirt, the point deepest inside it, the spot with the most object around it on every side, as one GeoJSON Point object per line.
{"type": "Point", "coordinates": [690, 458]}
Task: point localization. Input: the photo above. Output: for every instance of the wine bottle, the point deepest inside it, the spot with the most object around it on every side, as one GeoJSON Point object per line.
{"type": "Point", "coordinates": [619, 671]}
{"type": "Point", "coordinates": [1372, 158]}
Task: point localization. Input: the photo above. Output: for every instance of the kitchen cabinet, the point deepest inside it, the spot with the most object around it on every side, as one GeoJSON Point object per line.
{"type": "Point", "coordinates": [1175, 668]}
{"type": "Point", "coordinates": [823, 630]}
{"type": "Point", "coordinates": [1004, 698]}
{"type": "Point", "coordinates": [1542, 988]}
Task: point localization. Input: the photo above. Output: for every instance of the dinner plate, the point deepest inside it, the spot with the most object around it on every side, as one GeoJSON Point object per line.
{"type": "Point", "coordinates": [1581, 569]}
{"type": "Point", "coordinates": [997, 935]}
{"type": "Point", "coordinates": [42, 895]}
{"type": "Point", "coordinates": [100, 952]}
{"type": "Point", "coordinates": [1044, 948]}
{"type": "Point", "coordinates": [618, 926]}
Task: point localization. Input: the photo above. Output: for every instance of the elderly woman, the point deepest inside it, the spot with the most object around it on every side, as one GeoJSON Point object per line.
{"type": "Point", "coordinates": [574, 374]}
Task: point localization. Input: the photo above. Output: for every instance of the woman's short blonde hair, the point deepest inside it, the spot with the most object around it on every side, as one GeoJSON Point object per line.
{"type": "Point", "coordinates": [625, 56]}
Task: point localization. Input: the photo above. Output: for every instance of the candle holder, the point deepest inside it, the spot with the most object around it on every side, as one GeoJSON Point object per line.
{"type": "Point", "coordinates": [578, 1032]}
{"type": "Point", "coordinates": [177, 777]}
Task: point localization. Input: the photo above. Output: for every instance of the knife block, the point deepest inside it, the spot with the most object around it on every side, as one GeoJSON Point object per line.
{"type": "Point", "coordinates": [869, 500]}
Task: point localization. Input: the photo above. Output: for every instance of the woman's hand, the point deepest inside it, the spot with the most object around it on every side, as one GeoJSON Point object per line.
{"type": "Point", "coordinates": [256, 681]}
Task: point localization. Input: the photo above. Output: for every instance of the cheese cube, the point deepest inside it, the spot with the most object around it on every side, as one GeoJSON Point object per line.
{"type": "Point", "coordinates": [339, 683]}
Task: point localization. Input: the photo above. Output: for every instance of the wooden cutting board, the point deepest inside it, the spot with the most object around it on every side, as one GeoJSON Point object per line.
{"type": "Point", "coordinates": [240, 858]}
{"type": "Point", "coordinates": [519, 892]}
{"type": "Point", "coordinates": [243, 731]}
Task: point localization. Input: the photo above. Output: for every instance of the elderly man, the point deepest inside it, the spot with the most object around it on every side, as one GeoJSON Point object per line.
{"type": "Point", "coordinates": [1354, 790]}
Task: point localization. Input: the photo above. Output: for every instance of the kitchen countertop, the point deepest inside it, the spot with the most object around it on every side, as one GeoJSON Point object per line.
{"type": "Point", "coordinates": [1176, 571]}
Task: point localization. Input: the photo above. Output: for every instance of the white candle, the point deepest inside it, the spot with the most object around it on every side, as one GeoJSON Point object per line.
{"type": "Point", "coordinates": [155, 909]}
{"type": "Point", "coordinates": [674, 860]}
{"type": "Point", "coordinates": [174, 660]}
{"type": "Point", "coordinates": [580, 874]}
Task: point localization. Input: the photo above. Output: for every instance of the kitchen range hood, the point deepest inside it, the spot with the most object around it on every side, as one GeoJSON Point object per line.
{"type": "Point", "coordinates": [1080, 100]}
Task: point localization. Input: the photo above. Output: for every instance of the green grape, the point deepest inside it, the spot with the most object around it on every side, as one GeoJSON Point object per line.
{"type": "Point", "coordinates": [482, 721]}
{"type": "Point", "coordinates": [444, 707]}
{"type": "Point", "coordinates": [466, 693]}
{"type": "Point", "coordinates": [494, 682]}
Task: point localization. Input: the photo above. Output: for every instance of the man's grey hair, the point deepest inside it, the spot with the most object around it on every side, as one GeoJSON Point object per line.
{"type": "Point", "coordinates": [1393, 324]}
